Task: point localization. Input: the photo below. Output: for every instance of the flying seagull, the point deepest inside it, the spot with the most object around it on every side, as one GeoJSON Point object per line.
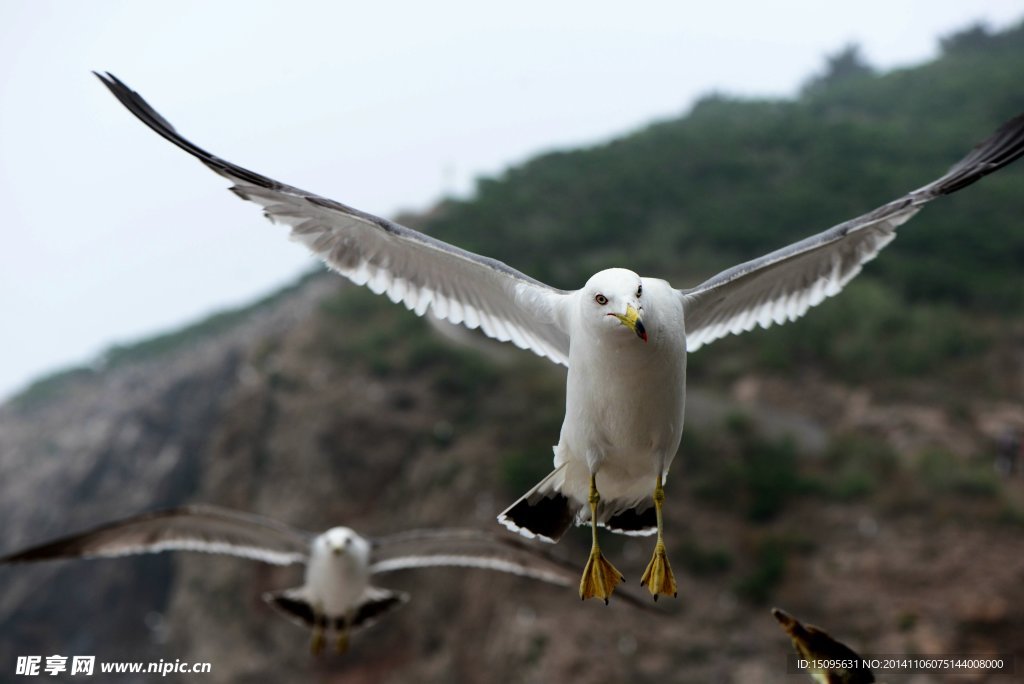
{"type": "Point", "coordinates": [336, 594]}
{"type": "Point", "coordinates": [828, 661]}
{"type": "Point", "coordinates": [623, 337]}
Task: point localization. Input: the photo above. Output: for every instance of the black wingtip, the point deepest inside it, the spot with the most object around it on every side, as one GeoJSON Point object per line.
{"type": "Point", "coordinates": [145, 113]}
{"type": "Point", "coordinates": [1001, 148]}
{"type": "Point", "coordinates": [113, 82]}
{"type": "Point", "coordinates": [54, 550]}
{"type": "Point", "coordinates": [138, 106]}
{"type": "Point", "coordinates": [108, 79]}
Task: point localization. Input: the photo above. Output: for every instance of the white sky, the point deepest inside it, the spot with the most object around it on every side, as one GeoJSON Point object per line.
{"type": "Point", "coordinates": [110, 234]}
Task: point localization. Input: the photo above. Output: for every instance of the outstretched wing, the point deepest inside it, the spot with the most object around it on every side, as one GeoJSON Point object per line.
{"type": "Point", "coordinates": [783, 285]}
{"type": "Point", "coordinates": [190, 528]}
{"type": "Point", "coordinates": [466, 548]}
{"type": "Point", "coordinates": [409, 267]}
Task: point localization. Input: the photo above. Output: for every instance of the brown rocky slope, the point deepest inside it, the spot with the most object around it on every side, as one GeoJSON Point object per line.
{"type": "Point", "coordinates": [868, 527]}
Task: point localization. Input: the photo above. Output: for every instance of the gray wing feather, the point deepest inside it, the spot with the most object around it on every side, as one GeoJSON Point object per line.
{"type": "Point", "coordinates": [463, 548]}
{"type": "Point", "coordinates": [468, 548]}
{"type": "Point", "coordinates": [783, 285]}
{"type": "Point", "coordinates": [419, 271]}
{"type": "Point", "coordinates": [190, 528]}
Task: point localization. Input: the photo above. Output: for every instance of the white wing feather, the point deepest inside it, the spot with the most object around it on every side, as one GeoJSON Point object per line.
{"type": "Point", "coordinates": [207, 529]}
{"type": "Point", "coordinates": [421, 272]}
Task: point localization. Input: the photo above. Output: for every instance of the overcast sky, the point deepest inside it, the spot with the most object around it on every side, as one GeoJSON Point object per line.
{"type": "Point", "coordinates": [111, 234]}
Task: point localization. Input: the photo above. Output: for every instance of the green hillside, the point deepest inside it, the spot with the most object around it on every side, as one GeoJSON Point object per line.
{"type": "Point", "coordinates": [735, 178]}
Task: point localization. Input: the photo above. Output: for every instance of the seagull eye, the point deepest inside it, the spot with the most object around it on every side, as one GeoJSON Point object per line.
{"type": "Point", "coordinates": [639, 290]}
{"type": "Point", "coordinates": [601, 299]}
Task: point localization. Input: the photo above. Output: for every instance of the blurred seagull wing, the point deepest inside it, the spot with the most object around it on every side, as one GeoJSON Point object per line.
{"type": "Point", "coordinates": [464, 548]}
{"type": "Point", "coordinates": [467, 548]}
{"type": "Point", "coordinates": [191, 528]}
{"type": "Point", "coordinates": [419, 271]}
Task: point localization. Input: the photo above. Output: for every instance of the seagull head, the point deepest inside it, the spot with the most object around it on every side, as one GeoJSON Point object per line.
{"type": "Point", "coordinates": [614, 298]}
{"type": "Point", "coordinates": [342, 541]}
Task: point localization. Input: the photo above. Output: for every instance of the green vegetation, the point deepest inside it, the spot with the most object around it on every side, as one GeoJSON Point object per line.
{"type": "Point", "coordinates": [740, 470]}
{"type": "Point", "coordinates": [871, 332]}
{"type": "Point", "coordinates": [530, 430]}
{"type": "Point", "coordinates": [736, 178]}
{"type": "Point", "coordinates": [393, 342]}
{"type": "Point", "coordinates": [702, 561]}
{"type": "Point", "coordinates": [855, 467]}
{"type": "Point", "coordinates": [521, 469]}
{"type": "Point", "coordinates": [945, 474]}
{"type": "Point", "coordinates": [49, 387]}
{"type": "Point", "coordinates": [766, 572]}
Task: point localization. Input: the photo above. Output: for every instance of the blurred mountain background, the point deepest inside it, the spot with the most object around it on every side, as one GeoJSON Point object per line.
{"type": "Point", "coordinates": [843, 467]}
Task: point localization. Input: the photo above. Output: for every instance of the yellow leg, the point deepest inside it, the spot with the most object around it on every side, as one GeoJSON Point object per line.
{"type": "Point", "coordinates": [341, 642]}
{"type": "Point", "coordinates": [599, 576]}
{"type": "Point", "coordinates": [658, 577]}
{"type": "Point", "coordinates": [316, 645]}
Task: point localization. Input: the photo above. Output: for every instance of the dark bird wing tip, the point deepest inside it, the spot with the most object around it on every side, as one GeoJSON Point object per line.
{"type": "Point", "coordinates": [113, 83]}
{"type": "Point", "coordinates": [15, 558]}
{"type": "Point", "coordinates": [142, 110]}
{"type": "Point", "coordinates": [1001, 148]}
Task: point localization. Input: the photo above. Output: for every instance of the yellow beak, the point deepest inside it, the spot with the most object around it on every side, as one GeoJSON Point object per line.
{"type": "Point", "coordinates": [631, 319]}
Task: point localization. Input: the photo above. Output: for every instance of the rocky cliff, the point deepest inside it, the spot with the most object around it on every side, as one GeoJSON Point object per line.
{"type": "Point", "coordinates": [300, 413]}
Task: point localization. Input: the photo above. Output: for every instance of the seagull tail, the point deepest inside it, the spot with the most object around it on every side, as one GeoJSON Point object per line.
{"type": "Point", "coordinates": [625, 517]}
{"type": "Point", "coordinates": [294, 605]}
{"type": "Point", "coordinates": [544, 511]}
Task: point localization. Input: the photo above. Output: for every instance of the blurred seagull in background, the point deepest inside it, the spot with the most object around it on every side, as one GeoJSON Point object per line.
{"type": "Point", "coordinates": [623, 337]}
{"type": "Point", "coordinates": [337, 595]}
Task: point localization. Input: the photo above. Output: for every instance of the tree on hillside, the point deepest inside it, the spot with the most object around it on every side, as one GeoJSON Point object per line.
{"type": "Point", "coordinates": [846, 65]}
{"type": "Point", "coordinates": [972, 38]}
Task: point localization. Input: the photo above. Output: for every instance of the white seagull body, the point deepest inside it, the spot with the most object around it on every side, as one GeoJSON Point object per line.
{"type": "Point", "coordinates": [337, 593]}
{"type": "Point", "coordinates": [624, 338]}
{"type": "Point", "coordinates": [623, 407]}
